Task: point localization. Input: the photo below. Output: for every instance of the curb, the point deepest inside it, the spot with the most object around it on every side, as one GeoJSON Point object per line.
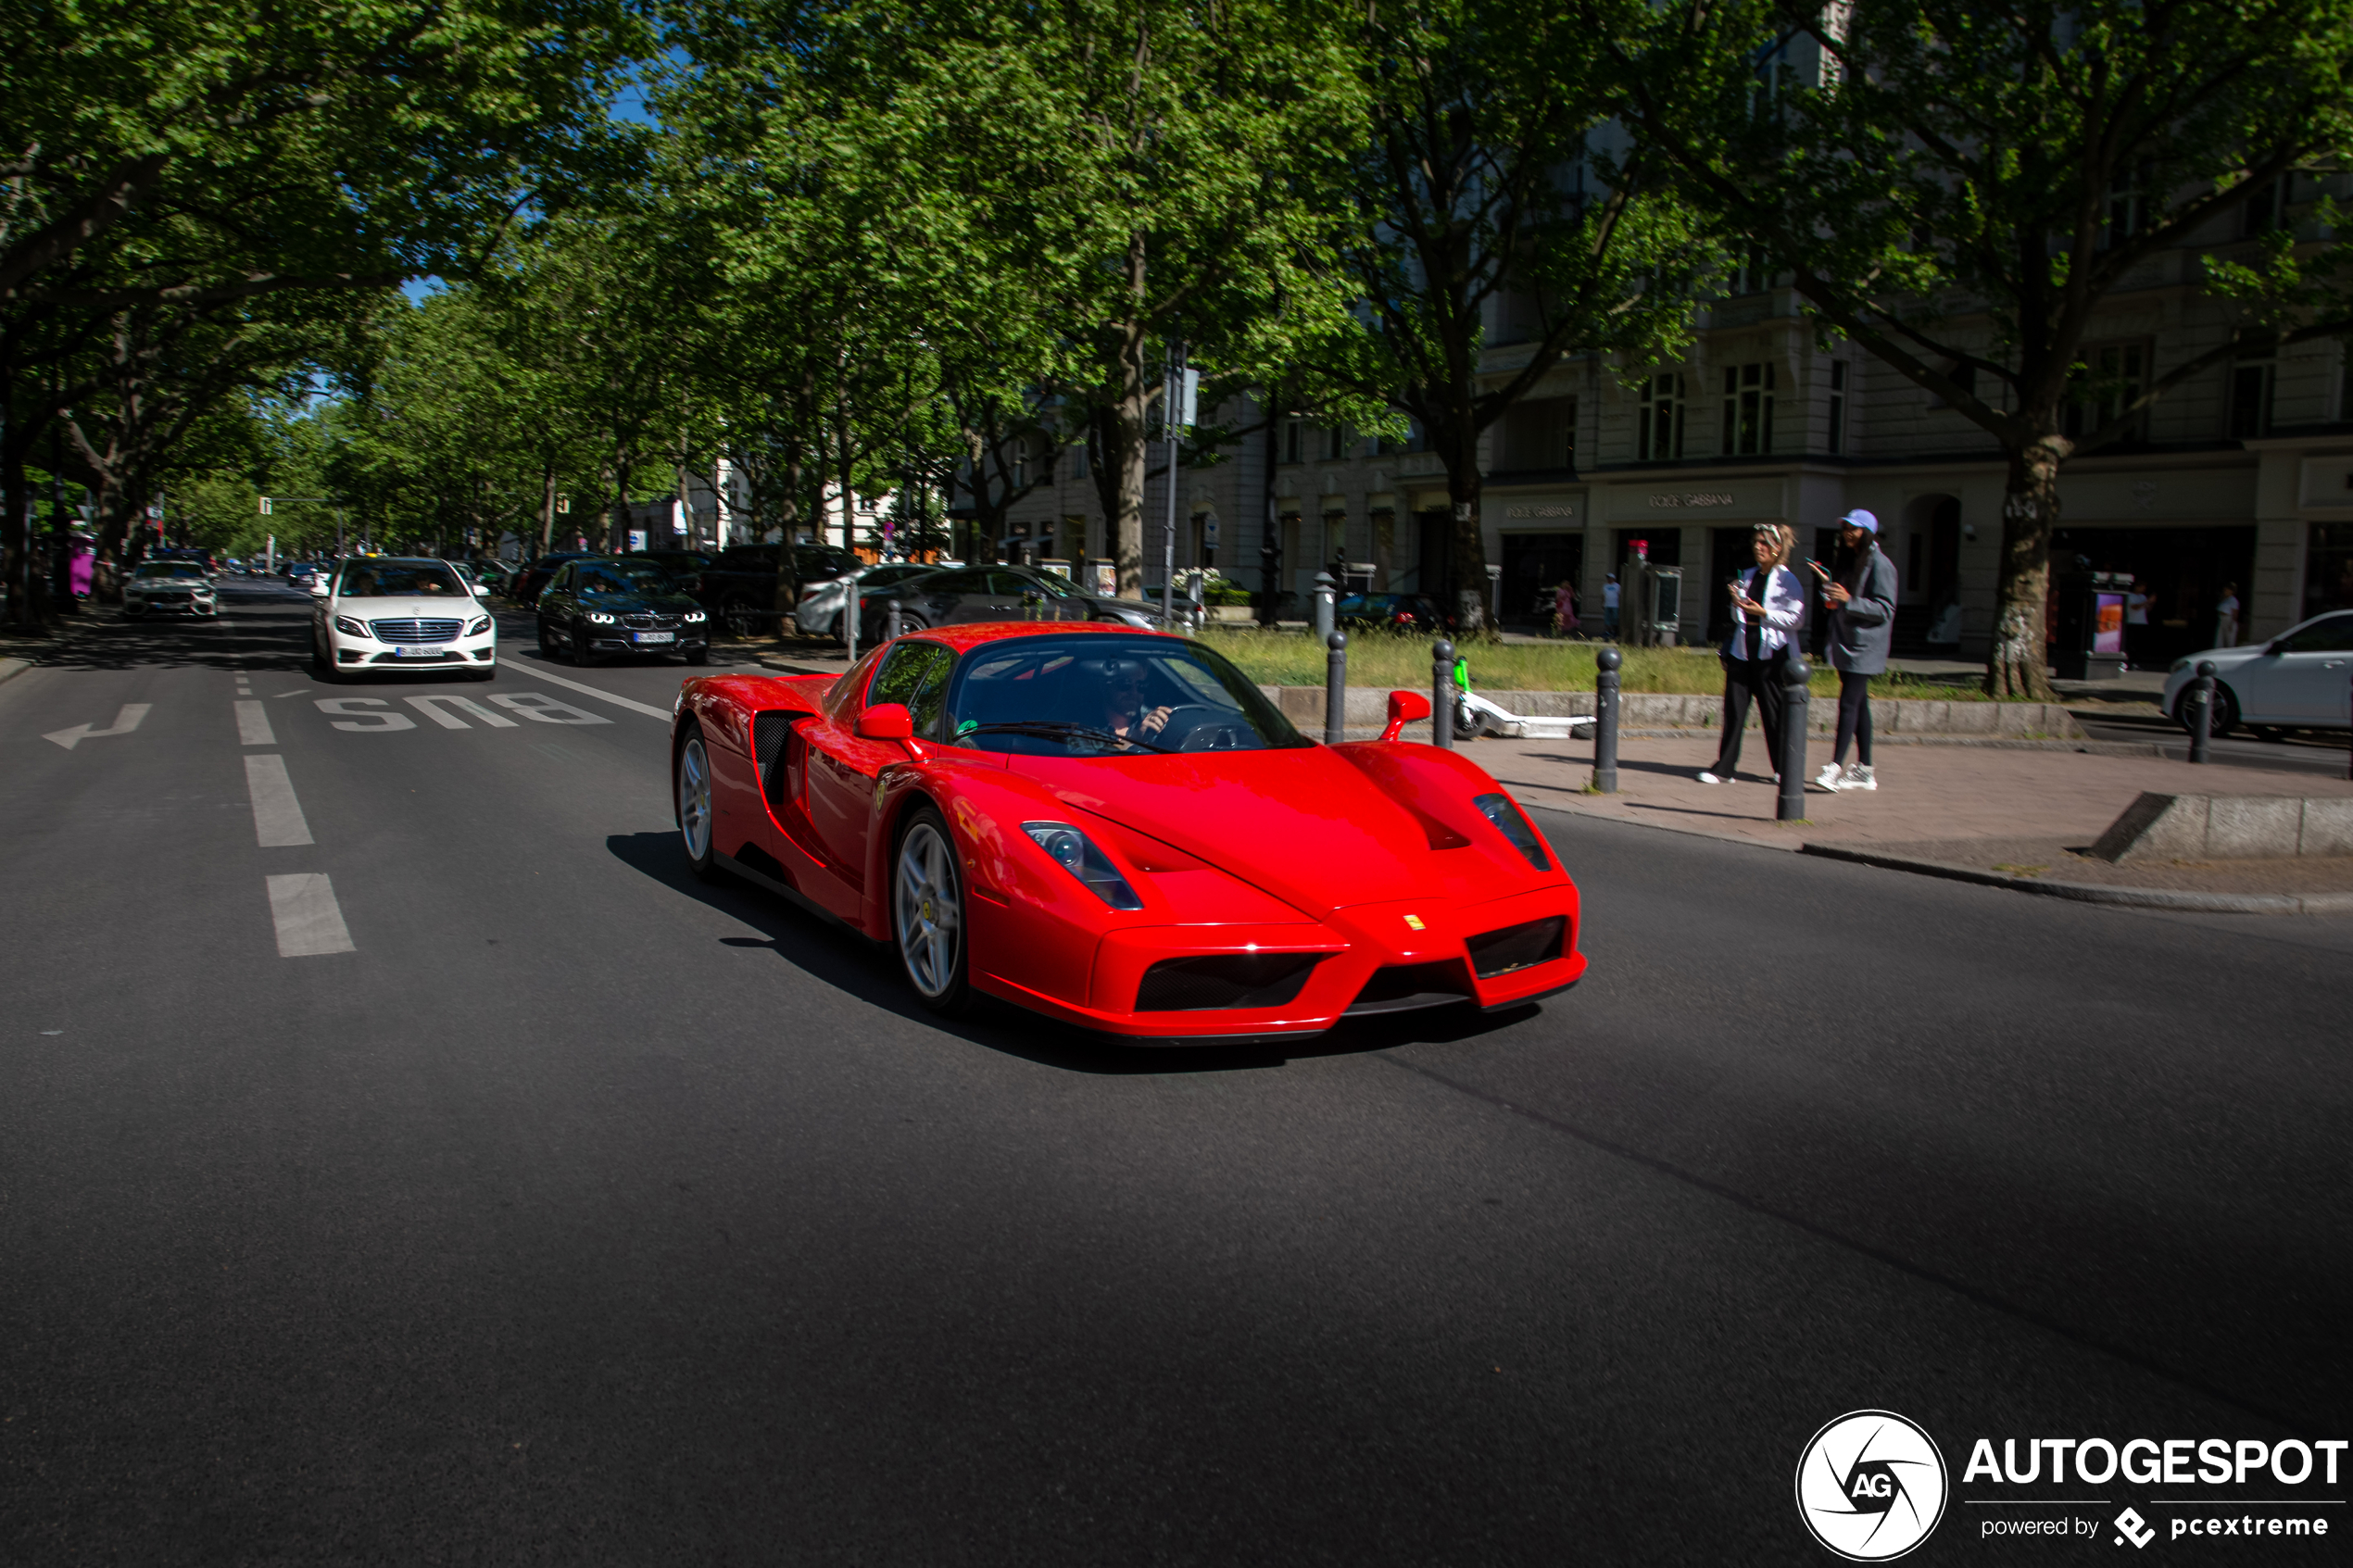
{"type": "Point", "coordinates": [2092, 893]}
{"type": "Point", "coordinates": [12, 668]}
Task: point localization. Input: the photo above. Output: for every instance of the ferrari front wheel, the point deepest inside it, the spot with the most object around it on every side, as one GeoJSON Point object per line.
{"type": "Point", "coordinates": [694, 806]}
{"type": "Point", "coordinates": [927, 910]}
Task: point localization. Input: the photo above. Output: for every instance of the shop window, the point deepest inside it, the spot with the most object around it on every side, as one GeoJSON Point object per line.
{"type": "Point", "coordinates": [1838, 405]}
{"type": "Point", "coordinates": [1658, 434]}
{"type": "Point", "coordinates": [1748, 410]}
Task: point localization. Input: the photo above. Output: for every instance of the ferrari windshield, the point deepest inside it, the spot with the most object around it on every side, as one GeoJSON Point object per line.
{"type": "Point", "coordinates": [396, 578]}
{"type": "Point", "coordinates": [1109, 695]}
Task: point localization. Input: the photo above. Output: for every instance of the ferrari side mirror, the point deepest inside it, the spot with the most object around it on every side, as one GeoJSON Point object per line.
{"type": "Point", "coordinates": [1404, 708]}
{"type": "Point", "coordinates": [886, 721]}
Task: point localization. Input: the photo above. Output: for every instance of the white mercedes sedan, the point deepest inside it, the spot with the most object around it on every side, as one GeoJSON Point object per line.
{"type": "Point", "coordinates": [376, 613]}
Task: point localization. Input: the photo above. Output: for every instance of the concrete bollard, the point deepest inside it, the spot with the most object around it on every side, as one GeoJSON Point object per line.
{"type": "Point", "coordinates": [1791, 761]}
{"type": "Point", "coordinates": [1335, 688]}
{"type": "Point", "coordinates": [1441, 693]}
{"type": "Point", "coordinates": [2201, 700]}
{"type": "Point", "coordinates": [1605, 722]}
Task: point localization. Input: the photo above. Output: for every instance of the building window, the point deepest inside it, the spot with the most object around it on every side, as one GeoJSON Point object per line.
{"type": "Point", "coordinates": [2127, 208]}
{"type": "Point", "coordinates": [1294, 441]}
{"type": "Point", "coordinates": [1335, 443]}
{"type": "Point", "coordinates": [2104, 383]}
{"type": "Point", "coordinates": [2266, 206]}
{"type": "Point", "coordinates": [1838, 405]}
{"type": "Point", "coordinates": [1079, 460]}
{"type": "Point", "coordinates": [1753, 275]}
{"type": "Point", "coordinates": [1539, 433]}
{"type": "Point", "coordinates": [1659, 430]}
{"type": "Point", "coordinates": [2251, 401]}
{"type": "Point", "coordinates": [1748, 410]}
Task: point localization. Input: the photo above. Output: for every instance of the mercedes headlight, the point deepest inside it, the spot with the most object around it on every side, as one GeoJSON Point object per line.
{"type": "Point", "coordinates": [351, 628]}
{"type": "Point", "coordinates": [598, 618]}
{"type": "Point", "coordinates": [1077, 854]}
{"type": "Point", "coordinates": [480, 625]}
{"type": "Point", "coordinates": [1499, 809]}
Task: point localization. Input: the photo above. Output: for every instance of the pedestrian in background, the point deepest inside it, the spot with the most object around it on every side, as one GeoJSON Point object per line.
{"type": "Point", "coordinates": [1768, 611]}
{"type": "Point", "coordinates": [2226, 618]}
{"type": "Point", "coordinates": [1609, 605]}
{"type": "Point", "coordinates": [1565, 609]}
{"type": "Point", "coordinates": [2136, 623]}
{"type": "Point", "coordinates": [1860, 599]}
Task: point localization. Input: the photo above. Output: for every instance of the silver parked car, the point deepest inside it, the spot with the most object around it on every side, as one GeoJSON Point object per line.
{"type": "Point", "coordinates": [818, 612]}
{"type": "Point", "coordinates": [2299, 680]}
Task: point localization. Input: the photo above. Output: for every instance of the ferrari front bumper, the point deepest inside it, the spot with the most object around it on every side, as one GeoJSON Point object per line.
{"type": "Point", "coordinates": [1372, 958]}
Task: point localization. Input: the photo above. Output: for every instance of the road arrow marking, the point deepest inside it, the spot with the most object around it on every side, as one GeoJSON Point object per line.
{"type": "Point", "coordinates": [124, 722]}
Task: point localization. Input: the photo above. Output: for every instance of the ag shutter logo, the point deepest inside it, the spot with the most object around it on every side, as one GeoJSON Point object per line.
{"type": "Point", "coordinates": [1871, 1486]}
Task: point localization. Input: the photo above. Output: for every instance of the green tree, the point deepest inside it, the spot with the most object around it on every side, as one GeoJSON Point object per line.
{"type": "Point", "coordinates": [1962, 189]}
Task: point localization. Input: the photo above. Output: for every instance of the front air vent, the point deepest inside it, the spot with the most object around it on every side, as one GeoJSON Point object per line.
{"type": "Point", "coordinates": [1518, 946]}
{"type": "Point", "coordinates": [1223, 980]}
{"type": "Point", "coordinates": [1403, 988]}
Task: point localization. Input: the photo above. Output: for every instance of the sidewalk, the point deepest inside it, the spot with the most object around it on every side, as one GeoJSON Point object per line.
{"type": "Point", "coordinates": [2009, 817]}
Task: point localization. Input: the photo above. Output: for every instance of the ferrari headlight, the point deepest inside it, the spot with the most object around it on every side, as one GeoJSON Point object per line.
{"type": "Point", "coordinates": [480, 625]}
{"type": "Point", "coordinates": [1077, 854]}
{"type": "Point", "coordinates": [599, 618]}
{"type": "Point", "coordinates": [693, 616]}
{"type": "Point", "coordinates": [1499, 809]}
{"type": "Point", "coordinates": [351, 628]}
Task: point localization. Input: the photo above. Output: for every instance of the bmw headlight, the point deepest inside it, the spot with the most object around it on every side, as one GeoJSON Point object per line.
{"type": "Point", "coordinates": [351, 628]}
{"type": "Point", "coordinates": [599, 618]}
{"type": "Point", "coordinates": [1499, 809]}
{"type": "Point", "coordinates": [480, 623]}
{"type": "Point", "coordinates": [694, 617]}
{"type": "Point", "coordinates": [1077, 854]}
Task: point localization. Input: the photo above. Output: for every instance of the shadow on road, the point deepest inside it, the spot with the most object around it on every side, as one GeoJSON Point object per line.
{"type": "Point", "coordinates": [869, 971]}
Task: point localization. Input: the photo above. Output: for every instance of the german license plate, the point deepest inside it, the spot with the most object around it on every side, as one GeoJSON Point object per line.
{"type": "Point", "coordinates": [655, 636]}
{"type": "Point", "coordinates": [420, 653]}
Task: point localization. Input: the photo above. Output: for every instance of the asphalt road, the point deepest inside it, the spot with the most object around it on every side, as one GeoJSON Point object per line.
{"type": "Point", "coordinates": [580, 1212]}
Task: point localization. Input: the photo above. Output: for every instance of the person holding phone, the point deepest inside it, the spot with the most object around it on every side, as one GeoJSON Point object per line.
{"type": "Point", "coordinates": [1768, 610]}
{"type": "Point", "coordinates": [1860, 598]}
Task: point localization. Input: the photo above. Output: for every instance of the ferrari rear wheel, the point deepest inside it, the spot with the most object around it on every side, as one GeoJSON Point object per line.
{"type": "Point", "coordinates": [927, 910]}
{"type": "Point", "coordinates": [694, 806]}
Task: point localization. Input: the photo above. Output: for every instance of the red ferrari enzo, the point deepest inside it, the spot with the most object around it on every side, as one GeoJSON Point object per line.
{"type": "Point", "coordinates": [1117, 829]}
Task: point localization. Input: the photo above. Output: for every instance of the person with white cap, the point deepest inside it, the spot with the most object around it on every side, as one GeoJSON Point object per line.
{"type": "Point", "coordinates": [1860, 597]}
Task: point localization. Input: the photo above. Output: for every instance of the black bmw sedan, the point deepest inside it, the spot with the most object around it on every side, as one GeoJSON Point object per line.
{"type": "Point", "coordinates": [598, 606]}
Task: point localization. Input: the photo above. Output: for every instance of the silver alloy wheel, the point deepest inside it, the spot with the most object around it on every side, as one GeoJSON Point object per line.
{"type": "Point", "coordinates": [694, 798]}
{"type": "Point", "coordinates": [930, 909]}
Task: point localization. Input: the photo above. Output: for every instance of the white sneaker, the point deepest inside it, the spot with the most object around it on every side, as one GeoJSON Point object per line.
{"type": "Point", "coordinates": [1828, 777]}
{"type": "Point", "coordinates": [1858, 777]}
{"type": "Point", "coordinates": [1709, 778]}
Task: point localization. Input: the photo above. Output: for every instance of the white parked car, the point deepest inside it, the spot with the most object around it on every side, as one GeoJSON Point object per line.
{"type": "Point", "coordinates": [383, 612]}
{"type": "Point", "coordinates": [2299, 680]}
{"type": "Point", "coordinates": [170, 586]}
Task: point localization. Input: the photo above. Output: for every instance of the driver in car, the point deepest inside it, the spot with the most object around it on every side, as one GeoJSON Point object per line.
{"type": "Point", "coordinates": [1124, 710]}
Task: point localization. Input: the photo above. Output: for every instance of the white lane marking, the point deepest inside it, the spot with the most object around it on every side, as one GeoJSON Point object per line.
{"type": "Point", "coordinates": [633, 706]}
{"type": "Point", "coordinates": [277, 815]}
{"type": "Point", "coordinates": [298, 691]}
{"type": "Point", "coordinates": [425, 705]}
{"type": "Point", "coordinates": [124, 722]}
{"type": "Point", "coordinates": [310, 921]}
{"type": "Point", "coordinates": [546, 709]}
{"type": "Point", "coordinates": [253, 724]}
{"type": "Point", "coordinates": [357, 707]}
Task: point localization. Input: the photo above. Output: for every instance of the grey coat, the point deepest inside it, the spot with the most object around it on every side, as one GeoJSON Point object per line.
{"type": "Point", "coordinates": [1863, 630]}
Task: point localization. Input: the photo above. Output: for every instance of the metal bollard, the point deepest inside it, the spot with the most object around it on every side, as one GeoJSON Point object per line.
{"type": "Point", "coordinates": [891, 621]}
{"type": "Point", "coordinates": [2201, 710]}
{"type": "Point", "coordinates": [2349, 734]}
{"type": "Point", "coordinates": [1335, 688]}
{"type": "Point", "coordinates": [1791, 761]}
{"type": "Point", "coordinates": [1323, 604]}
{"type": "Point", "coordinates": [1605, 722]}
{"type": "Point", "coordinates": [1442, 694]}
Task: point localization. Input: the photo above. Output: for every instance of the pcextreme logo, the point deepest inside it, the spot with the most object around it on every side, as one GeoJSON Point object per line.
{"type": "Point", "coordinates": [1871, 1486]}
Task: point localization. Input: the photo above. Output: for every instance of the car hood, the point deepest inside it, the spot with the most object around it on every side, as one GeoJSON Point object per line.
{"type": "Point", "coordinates": [417, 610]}
{"type": "Point", "coordinates": [1303, 824]}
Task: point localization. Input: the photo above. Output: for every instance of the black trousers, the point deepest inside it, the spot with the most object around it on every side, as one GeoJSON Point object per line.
{"type": "Point", "coordinates": [1854, 717]}
{"type": "Point", "coordinates": [1761, 679]}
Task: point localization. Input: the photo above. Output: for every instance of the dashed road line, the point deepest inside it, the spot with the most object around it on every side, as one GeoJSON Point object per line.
{"type": "Point", "coordinates": [253, 724]}
{"type": "Point", "coordinates": [277, 816]}
{"type": "Point", "coordinates": [303, 907]}
{"type": "Point", "coordinates": [632, 705]}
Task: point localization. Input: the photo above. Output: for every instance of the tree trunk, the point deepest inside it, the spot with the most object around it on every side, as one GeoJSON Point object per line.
{"type": "Point", "coordinates": [787, 592]}
{"type": "Point", "coordinates": [1127, 434]}
{"type": "Point", "coordinates": [617, 530]}
{"type": "Point", "coordinates": [1270, 551]}
{"type": "Point", "coordinates": [14, 497]}
{"type": "Point", "coordinates": [546, 507]}
{"type": "Point", "coordinates": [2030, 510]}
{"type": "Point", "coordinates": [1466, 554]}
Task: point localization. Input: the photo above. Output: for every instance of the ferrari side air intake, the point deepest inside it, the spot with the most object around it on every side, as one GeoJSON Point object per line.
{"type": "Point", "coordinates": [1518, 946]}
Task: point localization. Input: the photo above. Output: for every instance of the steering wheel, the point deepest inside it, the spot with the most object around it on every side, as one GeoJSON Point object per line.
{"type": "Point", "coordinates": [1196, 726]}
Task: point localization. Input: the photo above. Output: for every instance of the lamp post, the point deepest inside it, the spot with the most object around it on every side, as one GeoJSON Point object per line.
{"type": "Point", "coordinates": [1172, 422]}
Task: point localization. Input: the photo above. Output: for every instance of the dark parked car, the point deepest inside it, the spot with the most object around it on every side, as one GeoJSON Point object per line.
{"type": "Point", "coordinates": [997, 592]}
{"type": "Point", "coordinates": [685, 567]}
{"type": "Point", "coordinates": [1392, 613]}
{"type": "Point", "coordinates": [600, 606]}
{"type": "Point", "coordinates": [738, 586]}
{"type": "Point", "coordinates": [529, 583]}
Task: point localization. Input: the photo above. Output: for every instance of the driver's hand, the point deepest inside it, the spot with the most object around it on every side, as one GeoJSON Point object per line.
{"type": "Point", "coordinates": [1153, 722]}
